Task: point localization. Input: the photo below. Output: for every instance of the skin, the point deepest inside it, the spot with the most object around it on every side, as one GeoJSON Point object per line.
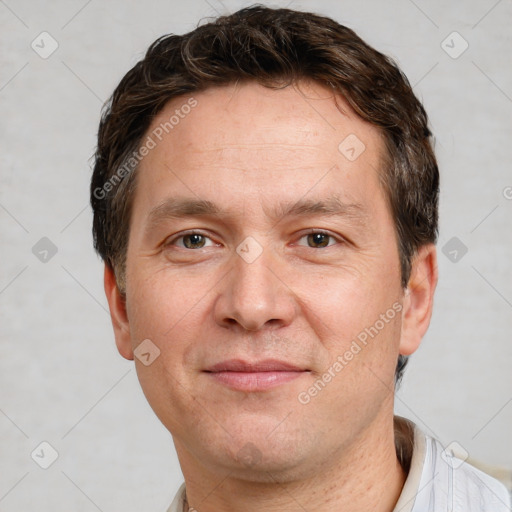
{"type": "Point", "coordinates": [304, 300]}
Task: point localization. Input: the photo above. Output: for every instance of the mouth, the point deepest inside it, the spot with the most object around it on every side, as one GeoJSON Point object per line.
{"type": "Point", "coordinates": [258, 376]}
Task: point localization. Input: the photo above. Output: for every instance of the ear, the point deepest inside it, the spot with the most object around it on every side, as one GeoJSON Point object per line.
{"type": "Point", "coordinates": [117, 306]}
{"type": "Point", "coordinates": [419, 297]}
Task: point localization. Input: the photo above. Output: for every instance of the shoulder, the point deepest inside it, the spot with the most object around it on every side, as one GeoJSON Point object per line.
{"type": "Point", "coordinates": [463, 486]}
{"type": "Point", "coordinates": [467, 487]}
{"type": "Point", "coordinates": [439, 478]}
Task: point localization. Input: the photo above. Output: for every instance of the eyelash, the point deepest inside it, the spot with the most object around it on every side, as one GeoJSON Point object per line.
{"type": "Point", "coordinates": [183, 235]}
{"type": "Point", "coordinates": [322, 232]}
{"type": "Point", "coordinates": [309, 232]}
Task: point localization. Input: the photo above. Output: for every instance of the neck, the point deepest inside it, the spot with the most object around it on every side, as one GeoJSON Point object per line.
{"type": "Point", "coordinates": [368, 476]}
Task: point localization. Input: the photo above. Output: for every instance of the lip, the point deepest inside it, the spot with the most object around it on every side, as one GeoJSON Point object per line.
{"type": "Point", "coordinates": [266, 365]}
{"type": "Point", "coordinates": [256, 376]}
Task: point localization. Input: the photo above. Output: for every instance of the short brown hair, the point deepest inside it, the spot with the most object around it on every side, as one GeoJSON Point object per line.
{"type": "Point", "coordinates": [274, 47]}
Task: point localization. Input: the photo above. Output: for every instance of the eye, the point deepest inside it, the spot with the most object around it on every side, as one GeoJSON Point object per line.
{"type": "Point", "coordinates": [318, 239]}
{"type": "Point", "coordinates": [192, 240]}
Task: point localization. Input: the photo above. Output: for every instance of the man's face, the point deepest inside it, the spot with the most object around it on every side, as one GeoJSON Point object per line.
{"type": "Point", "coordinates": [268, 279]}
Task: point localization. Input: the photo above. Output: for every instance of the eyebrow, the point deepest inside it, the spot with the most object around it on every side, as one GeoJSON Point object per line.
{"type": "Point", "coordinates": [331, 206]}
{"type": "Point", "coordinates": [179, 209]}
{"type": "Point", "coordinates": [175, 208]}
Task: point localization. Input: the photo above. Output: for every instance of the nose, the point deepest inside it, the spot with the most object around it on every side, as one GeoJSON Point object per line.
{"type": "Point", "coordinates": [253, 295]}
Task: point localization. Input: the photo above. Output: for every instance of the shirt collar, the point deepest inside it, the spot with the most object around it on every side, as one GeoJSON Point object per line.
{"type": "Point", "coordinates": [411, 451]}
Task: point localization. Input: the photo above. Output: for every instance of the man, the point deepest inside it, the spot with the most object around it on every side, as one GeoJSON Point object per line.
{"type": "Point", "coordinates": [265, 200]}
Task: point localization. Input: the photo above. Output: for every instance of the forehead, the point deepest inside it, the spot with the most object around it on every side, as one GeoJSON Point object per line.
{"type": "Point", "coordinates": [298, 125]}
{"type": "Point", "coordinates": [252, 144]}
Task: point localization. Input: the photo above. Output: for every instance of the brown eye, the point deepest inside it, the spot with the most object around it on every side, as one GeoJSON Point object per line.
{"type": "Point", "coordinates": [193, 241]}
{"type": "Point", "coordinates": [318, 239]}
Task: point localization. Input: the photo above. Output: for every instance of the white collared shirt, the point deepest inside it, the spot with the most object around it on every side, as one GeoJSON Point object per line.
{"type": "Point", "coordinates": [437, 482]}
{"type": "Point", "coordinates": [440, 482]}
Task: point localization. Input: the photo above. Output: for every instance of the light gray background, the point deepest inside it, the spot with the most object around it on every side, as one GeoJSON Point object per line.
{"type": "Point", "coordinates": [62, 380]}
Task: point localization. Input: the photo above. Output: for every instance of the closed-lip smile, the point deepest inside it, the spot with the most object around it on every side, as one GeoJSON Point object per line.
{"type": "Point", "coordinates": [254, 376]}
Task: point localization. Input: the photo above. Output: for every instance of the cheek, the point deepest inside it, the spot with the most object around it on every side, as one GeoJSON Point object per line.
{"type": "Point", "coordinates": [171, 312]}
{"type": "Point", "coordinates": [165, 312]}
{"type": "Point", "coordinates": [356, 313]}
{"type": "Point", "coordinates": [160, 304]}
{"type": "Point", "coordinates": [346, 300]}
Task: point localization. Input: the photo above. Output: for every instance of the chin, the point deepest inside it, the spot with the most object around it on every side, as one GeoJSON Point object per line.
{"type": "Point", "coordinates": [261, 458]}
